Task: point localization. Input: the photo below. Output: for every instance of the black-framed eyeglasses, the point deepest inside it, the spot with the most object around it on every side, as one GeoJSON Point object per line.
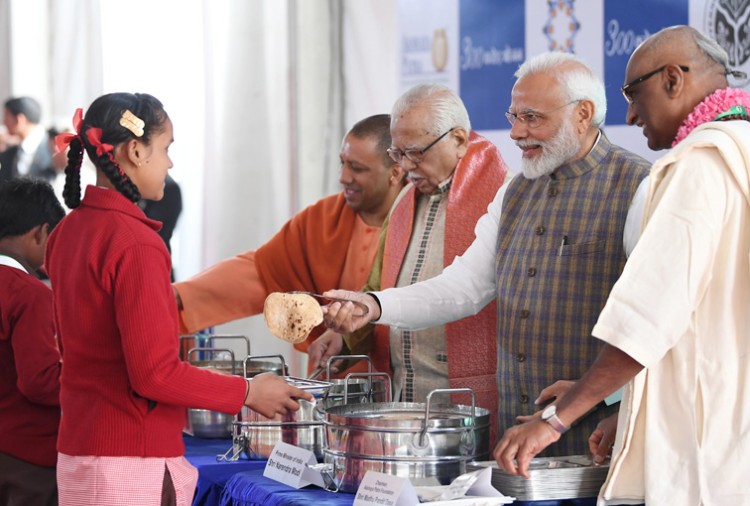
{"type": "Point", "coordinates": [628, 94]}
{"type": "Point", "coordinates": [533, 119]}
{"type": "Point", "coordinates": [414, 155]}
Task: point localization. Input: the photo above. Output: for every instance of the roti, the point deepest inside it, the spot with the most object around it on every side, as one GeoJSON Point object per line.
{"type": "Point", "coordinates": [291, 316]}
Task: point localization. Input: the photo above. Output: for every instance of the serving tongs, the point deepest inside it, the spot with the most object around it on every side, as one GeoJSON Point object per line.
{"type": "Point", "coordinates": [364, 307]}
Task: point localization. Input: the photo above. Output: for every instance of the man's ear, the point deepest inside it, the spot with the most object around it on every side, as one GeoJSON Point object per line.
{"type": "Point", "coordinates": [40, 233]}
{"type": "Point", "coordinates": [584, 115]}
{"type": "Point", "coordinates": [461, 137]}
{"type": "Point", "coordinates": [674, 80]}
{"type": "Point", "coordinates": [396, 174]}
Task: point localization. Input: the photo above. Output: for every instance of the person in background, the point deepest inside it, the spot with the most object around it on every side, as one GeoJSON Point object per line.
{"type": "Point", "coordinates": [29, 357]}
{"type": "Point", "coordinates": [553, 243]}
{"type": "Point", "coordinates": [328, 244]}
{"type": "Point", "coordinates": [675, 326]}
{"type": "Point", "coordinates": [32, 155]}
{"type": "Point", "coordinates": [7, 140]}
{"type": "Point", "coordinates": [124, 391]}
{"type": "Point", "coordinates": [455, 173]}
{"type": "Point", "coordinates": [167, 211]}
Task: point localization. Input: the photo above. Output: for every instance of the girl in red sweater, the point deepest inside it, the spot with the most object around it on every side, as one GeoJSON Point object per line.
{"type": "Point", "coordinates": [123, 389]}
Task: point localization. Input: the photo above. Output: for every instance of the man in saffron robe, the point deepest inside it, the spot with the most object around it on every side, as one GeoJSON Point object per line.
{"type": "Point", "coordinates": [331, 242]}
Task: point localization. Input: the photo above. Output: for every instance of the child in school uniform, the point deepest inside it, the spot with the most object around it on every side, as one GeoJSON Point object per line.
{"type": "Point", "coordinates": [29, 358]}
{"type": "Point", "coordinates": [123, 389]}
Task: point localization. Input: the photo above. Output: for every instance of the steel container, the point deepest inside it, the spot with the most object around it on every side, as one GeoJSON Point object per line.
{"type": "Point", "coordinates": [425, 442]}
{"type": "Point", "coordinates": [204, 423]}
{"type": "Point", "coordinates": [256, 435]}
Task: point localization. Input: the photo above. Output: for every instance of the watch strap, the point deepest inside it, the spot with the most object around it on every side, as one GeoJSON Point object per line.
{"type": "Point", "coordinates": [557, 424]}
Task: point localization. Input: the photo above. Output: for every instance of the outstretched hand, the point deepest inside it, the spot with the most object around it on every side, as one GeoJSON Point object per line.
{"type": "Point", "coordinates": [328, 345]}
{"type": "Point", "coordinates": [603, 438]}
{"type": "Point", "coordinates": [521, 443]}
{"type": "Point", "coordinates": [346, 317]}
{"type": "Point", "coordinates": [271, 395]}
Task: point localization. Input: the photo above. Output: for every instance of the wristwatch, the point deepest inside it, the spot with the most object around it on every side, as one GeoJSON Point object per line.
{"type": "Point", "coordinates": [549, 415]}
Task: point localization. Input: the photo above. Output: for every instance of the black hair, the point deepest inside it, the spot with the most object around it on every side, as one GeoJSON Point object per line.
{"type": "Point", "coordinates": [378, 126]}
{"type": "Point", "coordinates": [26, 106]}
{"type": "Point", "coordinates": [105, 113]}
{"type": "Point", "coordinates": [26, 203]}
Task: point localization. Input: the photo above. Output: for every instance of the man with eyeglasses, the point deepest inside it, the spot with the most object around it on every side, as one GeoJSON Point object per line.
{"type": "Point", "coordinates": [549, 249]}
{"type": "Point", "coordinates": [455, 173]}
{"type": "Point", "coordinates": [676, 324]}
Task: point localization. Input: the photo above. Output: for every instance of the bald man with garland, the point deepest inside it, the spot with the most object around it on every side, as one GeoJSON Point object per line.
{"type": "Point", "coordinates": [676, 322]}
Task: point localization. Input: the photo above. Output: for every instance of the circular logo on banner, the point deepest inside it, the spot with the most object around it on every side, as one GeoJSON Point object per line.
{"type": "Point", "coordinates": [728, 23]}
{"type": "Point", "coordinates": [561, 26]}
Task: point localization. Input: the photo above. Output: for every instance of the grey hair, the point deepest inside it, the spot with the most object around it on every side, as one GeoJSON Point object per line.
{"type": "Point", "coordinates": [578, 80]}
{"type": "Point", "coordinates": [447, 108]}
{"type": "Point", "coordinates": [718, 54]}
{"type": "Point", "coordinates": [711, 48]}
{"type": "Point", "coordinates": [668, 37]}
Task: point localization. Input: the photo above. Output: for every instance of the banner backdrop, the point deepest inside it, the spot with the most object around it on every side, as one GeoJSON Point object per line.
{"type": "Point", "coordinates": [475, 46]}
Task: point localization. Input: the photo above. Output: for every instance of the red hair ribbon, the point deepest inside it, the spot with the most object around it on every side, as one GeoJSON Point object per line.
{"type": "Point", "coordinates": [94, 136]}
{"type": "Point", "coordinates": [62, 141]}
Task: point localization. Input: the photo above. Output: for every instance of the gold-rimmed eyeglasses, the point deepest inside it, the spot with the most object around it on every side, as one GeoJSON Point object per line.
{"type": "Point", "coordinates": [414, 155]}
{"type": "Point", "coordinates": [626, 89]}
{"type": "Point", "coordinates": [533, 119]}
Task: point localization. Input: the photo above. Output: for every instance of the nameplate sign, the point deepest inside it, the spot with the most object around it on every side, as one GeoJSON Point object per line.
{"type": "Point", "coordinates": [289, 464]}
{"type": "Point", "coordinates": [385, 490]}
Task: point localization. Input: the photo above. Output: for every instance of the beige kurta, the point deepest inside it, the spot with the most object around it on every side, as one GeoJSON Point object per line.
{"type": "Point", "coordinates": [420, 357]}
{"type": "Point", "coordinates": [682, 309]}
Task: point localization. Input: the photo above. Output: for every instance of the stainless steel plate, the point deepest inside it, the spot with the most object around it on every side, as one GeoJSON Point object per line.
{"type": "Point", "coordinates": [569, 477]}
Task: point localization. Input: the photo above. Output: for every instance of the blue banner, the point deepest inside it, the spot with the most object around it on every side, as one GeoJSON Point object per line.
{"type": "Point", "coordinates": [627, 24]}
{"type": "Point", "coordinates": [491, 47]}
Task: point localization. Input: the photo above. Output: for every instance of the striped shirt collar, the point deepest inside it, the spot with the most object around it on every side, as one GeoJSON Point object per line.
{"type": "Point", "coordinates": [445, 186]}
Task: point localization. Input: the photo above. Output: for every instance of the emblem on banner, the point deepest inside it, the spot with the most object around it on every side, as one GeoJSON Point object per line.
{"type": "Point", "coordinates": [562, 25]}
{"type": "Point", "coordinates": [728, 23]}
{"type": "Point", "coordinates": [439, 49]}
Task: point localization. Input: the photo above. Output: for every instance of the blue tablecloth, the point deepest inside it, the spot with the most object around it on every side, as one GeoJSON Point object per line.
{"type": "Point", "coordinates": [241, 483]}
{"type": "Point", "coordinates": [251, 488]}
{"type": "Point", "coordinates": [212, 474]}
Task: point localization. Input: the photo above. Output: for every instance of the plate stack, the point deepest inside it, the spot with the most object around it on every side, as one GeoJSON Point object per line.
{"type": "Point", "coordinates": [571, 477]}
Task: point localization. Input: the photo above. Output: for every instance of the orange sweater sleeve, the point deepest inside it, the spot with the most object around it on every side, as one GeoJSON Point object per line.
{"type": "Point", "coordinates": [308, 253]}
{"type": "Point", "coordinates": [229, 290]}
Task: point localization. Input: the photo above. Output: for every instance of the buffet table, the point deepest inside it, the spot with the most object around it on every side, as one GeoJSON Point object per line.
{"type": "Point", "coordinates": [241, 483]}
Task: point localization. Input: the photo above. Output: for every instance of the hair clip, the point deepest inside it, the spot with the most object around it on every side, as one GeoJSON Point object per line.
{"type": "Point", "coordinates": [132, 122]}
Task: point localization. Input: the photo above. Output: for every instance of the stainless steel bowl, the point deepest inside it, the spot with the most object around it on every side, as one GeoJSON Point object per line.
{"type": "Point", "coordinates": [205, 423]}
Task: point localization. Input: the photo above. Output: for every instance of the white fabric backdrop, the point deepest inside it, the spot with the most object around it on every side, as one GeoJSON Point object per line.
{"type": "Point", "coordinates": [254, 89]}
{"type": "Point", "coordinates": [260, 93]}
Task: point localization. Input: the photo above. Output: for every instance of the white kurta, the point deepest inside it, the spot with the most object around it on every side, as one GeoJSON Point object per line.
{"type": "Point", "coordinates": [682, 309]}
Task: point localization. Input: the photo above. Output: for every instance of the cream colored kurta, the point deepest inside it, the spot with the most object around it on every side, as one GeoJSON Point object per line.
{"type": "Point", "coordinates": [682, 309]}
{"type": "Point", "coordinates": [420, 357]}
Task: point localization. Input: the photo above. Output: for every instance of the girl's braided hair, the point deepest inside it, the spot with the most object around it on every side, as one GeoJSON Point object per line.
{"type": "Point", "coordinates": [105, 114]}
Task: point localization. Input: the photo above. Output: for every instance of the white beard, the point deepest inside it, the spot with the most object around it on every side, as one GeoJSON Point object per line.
{"type": "Point", "coordinates": [557, 151]}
